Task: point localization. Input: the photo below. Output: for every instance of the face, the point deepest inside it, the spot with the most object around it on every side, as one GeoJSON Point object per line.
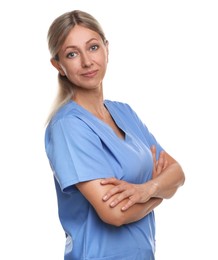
{"type": "Point", "coordinates": [83, 58]}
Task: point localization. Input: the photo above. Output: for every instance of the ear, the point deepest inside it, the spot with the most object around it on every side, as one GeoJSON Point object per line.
{"type": "Point", "coordinates": [57, 65]}
{"type": "Point", "coordinates": [107, 48]}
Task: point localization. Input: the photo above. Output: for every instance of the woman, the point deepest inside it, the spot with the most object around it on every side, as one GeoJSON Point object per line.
{"type": "Point", "coordinates": [109, 170]}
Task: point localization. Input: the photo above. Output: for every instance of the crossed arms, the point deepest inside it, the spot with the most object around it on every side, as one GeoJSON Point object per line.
{"type": "Point", "coordinates": [118, 202]}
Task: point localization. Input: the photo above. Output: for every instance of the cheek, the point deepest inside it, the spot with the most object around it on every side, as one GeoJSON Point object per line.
{"type": "Point", "coordinates": [105, 62]}
{"type": "Point", "coordinates": [103, 59]}
{"type": "Point", "coordinates": [70, 70]}
{"type": "Point", "coordinates": [73, 75]}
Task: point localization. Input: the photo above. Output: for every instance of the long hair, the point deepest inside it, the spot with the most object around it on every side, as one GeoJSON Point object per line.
{"type": "Point", "coordinates": [57, 34]}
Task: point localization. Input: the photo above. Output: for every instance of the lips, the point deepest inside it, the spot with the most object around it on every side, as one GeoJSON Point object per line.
{"type": "Point", "coordinates": [90, 74]}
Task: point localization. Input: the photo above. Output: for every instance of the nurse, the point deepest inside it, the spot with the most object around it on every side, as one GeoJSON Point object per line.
{"type": "Point", "coordinates": [110, 172]}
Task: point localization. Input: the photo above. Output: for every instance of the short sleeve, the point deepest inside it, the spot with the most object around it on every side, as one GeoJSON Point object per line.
{"type": "Point", "coordinates": [75, 152]}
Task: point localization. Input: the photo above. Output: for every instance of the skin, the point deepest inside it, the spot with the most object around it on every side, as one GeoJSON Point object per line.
{"type": "Point", "coordinates": [162, 185]}
{"type": "Point", "coordinates": [83, 58]}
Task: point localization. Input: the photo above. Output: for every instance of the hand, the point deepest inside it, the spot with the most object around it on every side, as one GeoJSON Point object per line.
{"type": "Point", "coordinates": [159, 165]}
{"type": "Point", "coordinates": [136, 193]}
{"type": "Point", "coordinates": [123, 190]}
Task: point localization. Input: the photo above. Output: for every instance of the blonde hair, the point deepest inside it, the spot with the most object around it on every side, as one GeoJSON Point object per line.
{"type": "Point", "coordinates": [57, 34]}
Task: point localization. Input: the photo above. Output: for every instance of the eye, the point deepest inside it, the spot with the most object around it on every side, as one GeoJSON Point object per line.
{"type": "Point", "coordinates": [94, 47]}
{"type": "Point", "coordinates": [72, 55]}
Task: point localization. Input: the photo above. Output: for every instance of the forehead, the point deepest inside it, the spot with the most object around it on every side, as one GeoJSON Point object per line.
{"type": "Point", "coordinates": [80, 35]}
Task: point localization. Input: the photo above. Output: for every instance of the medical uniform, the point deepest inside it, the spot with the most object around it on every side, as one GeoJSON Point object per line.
{"type": "Point", "coordinates": [80, 147]}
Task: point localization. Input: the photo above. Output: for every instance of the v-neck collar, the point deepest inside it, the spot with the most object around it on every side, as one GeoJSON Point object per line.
{"type": "Point", "coordinates": [112, 113]}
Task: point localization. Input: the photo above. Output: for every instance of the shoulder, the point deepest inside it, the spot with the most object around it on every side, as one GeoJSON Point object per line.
{"type": "Point", "coordinates": [65, 121]}
{"type": "Point", "coordinates": [66, 111]}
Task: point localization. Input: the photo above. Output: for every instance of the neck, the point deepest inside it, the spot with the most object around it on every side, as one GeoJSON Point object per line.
{"type": "Point", "coordinates": [94, 103]}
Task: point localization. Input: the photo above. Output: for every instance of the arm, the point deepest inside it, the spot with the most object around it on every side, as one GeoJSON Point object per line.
{"type": "Point", "coordinates": [114, 215]}
{"type": "Point", "coordinates": [117, 215]}
{"type": "Point", "coordinates": [168, 176]}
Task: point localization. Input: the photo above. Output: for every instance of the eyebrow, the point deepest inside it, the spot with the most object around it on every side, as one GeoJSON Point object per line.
{"type": "Point", "coordinates": [74, 46]}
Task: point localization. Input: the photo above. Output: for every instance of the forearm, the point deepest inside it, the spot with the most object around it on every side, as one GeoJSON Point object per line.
{"type": "Point", "coordinates": [166, 184]}
{"type": "Point", "coordinates": [118, 217]}
{"type": "Point", "coordinates": [162, 187]}
{"type": "Point", "coordinates": [140, 210]}
{"type": "Point", "coordinates": [130, 202]}
{"type": "Point", "coordinates": [114, 215]}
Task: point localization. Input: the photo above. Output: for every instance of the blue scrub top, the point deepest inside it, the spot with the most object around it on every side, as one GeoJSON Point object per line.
{"type": "Point", "coordinates": [81, 147]}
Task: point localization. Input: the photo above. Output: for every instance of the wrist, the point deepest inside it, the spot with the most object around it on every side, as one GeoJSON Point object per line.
{"type": "Point", "coordinates": [154, 188]}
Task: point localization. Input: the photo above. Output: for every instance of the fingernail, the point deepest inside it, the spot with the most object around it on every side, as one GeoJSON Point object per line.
{"type": "Point", "coordinates": [112, 204]}
{"type": "Point", "coordinates": [105, 197]}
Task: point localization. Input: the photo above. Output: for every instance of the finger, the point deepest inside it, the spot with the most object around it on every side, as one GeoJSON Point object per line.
{"type": "Point", "coordinates": [113, 191]}
{"type": "Point", "coordinates": [122, 196]}
{"type": "Point", "coordinates": [111, 180]}
{"type": "Point", "coordinates": [153, 152]}
{"type": "Point", "coordinates": [129, 204]}
{"type": "Point", "coordinates": [160, 163]}
{"type": "Point", "coordinates": [160, 166]}
{"type": "Point", "coordinates": [165, 164]}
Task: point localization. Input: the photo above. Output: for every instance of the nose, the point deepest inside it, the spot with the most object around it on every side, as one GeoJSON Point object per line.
{"type": "Point", "coordinates": [86, 60]}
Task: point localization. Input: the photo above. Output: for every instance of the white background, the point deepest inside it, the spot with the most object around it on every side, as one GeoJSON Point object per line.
{"type": "Point", "coordinates": [164, 63]}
